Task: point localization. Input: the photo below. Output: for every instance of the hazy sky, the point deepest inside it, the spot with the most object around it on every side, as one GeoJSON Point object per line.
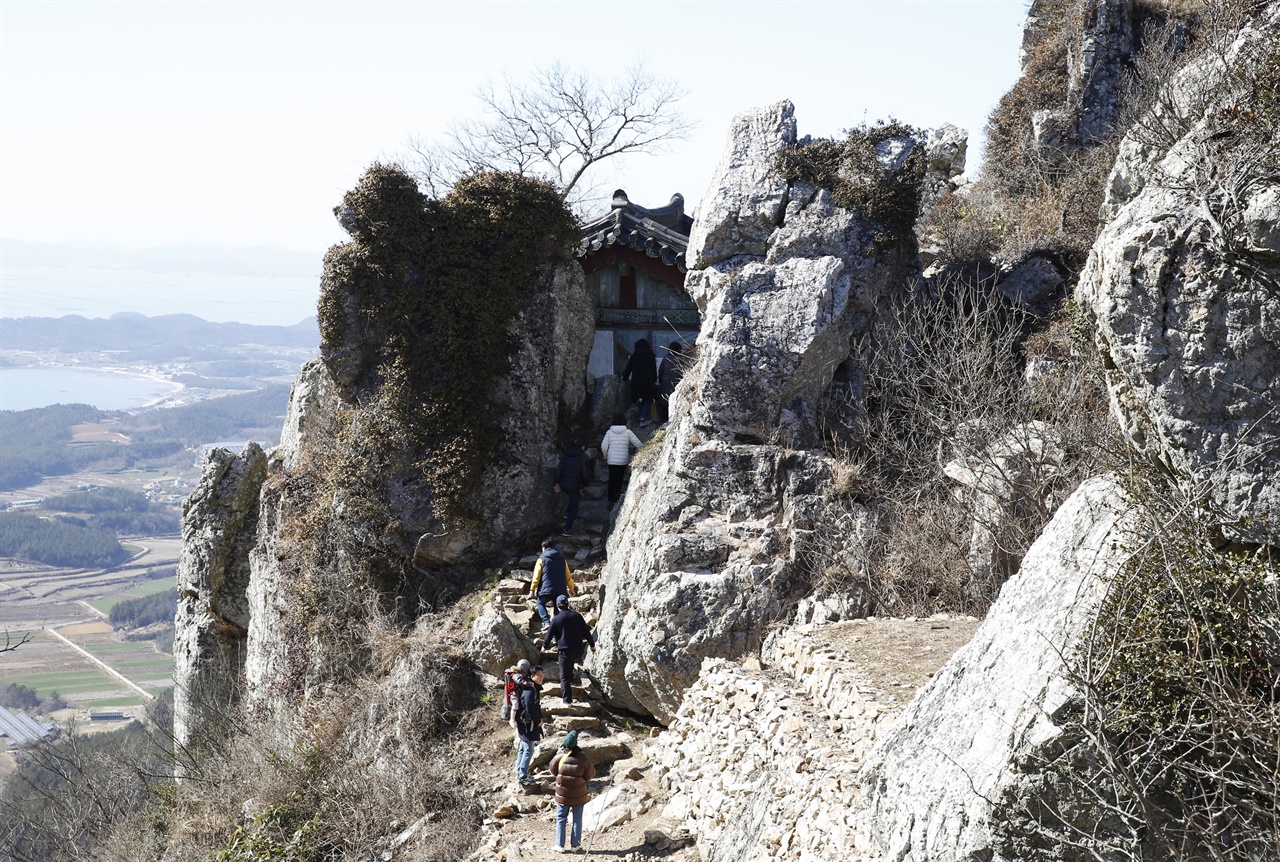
{"type": "Point", "coordinates": [244, 122]}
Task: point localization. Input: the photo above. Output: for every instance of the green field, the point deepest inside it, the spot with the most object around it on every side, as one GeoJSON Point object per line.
{"type": "Point", "coordinates": [150, 677]}
{"type": "Point", "coordinates": [116, 647]}
{"type": "Point", "coordinates": [103, 605]}
{"type": "Point", "coordinates": [152, 587]}
{"type": "Point", "coordinates": [157, 662]}
{"type": "Point", "coordinates": [136, 700]}
{"type": "Point", "coordinates": [132, 549]}
{"type": "Point", "coordinates": [68, 682]}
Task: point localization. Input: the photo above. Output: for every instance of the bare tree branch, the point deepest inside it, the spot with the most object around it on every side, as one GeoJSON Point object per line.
{"type": "Point", "coordinates": [10, 644]}
{"type": "Point", "coordinates": [558, 125]}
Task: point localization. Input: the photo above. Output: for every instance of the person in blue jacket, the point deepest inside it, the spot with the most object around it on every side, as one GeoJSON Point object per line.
{"type": "Point", "coordinates": [551, 578]}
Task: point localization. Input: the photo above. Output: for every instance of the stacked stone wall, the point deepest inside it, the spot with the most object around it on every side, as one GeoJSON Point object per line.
{"type": "Point", "coordinates": [762, 761]}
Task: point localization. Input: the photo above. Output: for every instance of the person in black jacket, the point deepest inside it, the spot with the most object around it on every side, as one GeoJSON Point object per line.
{"type": "Point", "coordinates": [642, 370]}
{"type": "Point", "coordinates": [527, 721]}
{"type": "Point", "coordinates": [570, 478]}
{"type": "Point", "coordinates": [572, 636]}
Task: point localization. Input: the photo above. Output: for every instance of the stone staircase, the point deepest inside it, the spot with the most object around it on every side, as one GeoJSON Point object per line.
{"type": "Point", "coordinates": [584, 548]}
{"type": "Point", "coordinates": [612, 741]}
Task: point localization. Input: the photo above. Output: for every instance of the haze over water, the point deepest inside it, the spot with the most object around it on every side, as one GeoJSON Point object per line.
{"type": "Point", "coordinates": [45, 291]}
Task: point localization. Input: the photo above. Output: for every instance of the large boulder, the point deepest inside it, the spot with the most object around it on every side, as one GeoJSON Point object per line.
{"type": "Point", "coordinates": [940, 784]}
{"type": "Point", "coordinates": [219, 522]}
{"type": "Point", "coordinates": [1182, 284]}
{"type": "Point", "coordinates": [497, 643]}
{"type": "Point", "coordinates": [711, 542]}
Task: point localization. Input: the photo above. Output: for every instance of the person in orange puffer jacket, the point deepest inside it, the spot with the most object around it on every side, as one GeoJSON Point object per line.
{"type": "Point", "coordinates": [572, 769]}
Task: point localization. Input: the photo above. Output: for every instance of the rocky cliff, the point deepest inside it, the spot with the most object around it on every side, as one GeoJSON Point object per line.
{"type": "Point", "coordinates": [1182, 284]}
{"type": "Point", "coordinates": [384, 498]}
{"type": "Point", "coordinates": [410, 457]}
{"type": "Point", "coordinates": [709, 547]}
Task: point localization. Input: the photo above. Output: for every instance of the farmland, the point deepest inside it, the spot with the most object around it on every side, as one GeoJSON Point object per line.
{"type": "Point", "coordinates": [73, 604]}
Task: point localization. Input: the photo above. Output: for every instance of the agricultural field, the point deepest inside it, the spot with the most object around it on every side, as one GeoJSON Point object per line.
{"type": "Point", "coordinates": [93, 678]}
{"type": "Point", "coordinates": [74, 604]}
{"type": "Point", "coordinates": [32, 595]}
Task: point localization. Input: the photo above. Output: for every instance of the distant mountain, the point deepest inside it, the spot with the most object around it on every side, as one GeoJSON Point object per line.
{"type": "Point", "coordinates": [175, 258]}
{"type": "Point", "coordinates": [167, 334]}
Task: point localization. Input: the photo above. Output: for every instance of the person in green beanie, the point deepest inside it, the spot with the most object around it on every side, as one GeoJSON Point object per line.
{"type": "Point", "coordinates": [572, 770]}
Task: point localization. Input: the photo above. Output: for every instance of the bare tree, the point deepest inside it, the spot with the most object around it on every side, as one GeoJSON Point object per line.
{"type": "Point", "coordinates": [557, 125]}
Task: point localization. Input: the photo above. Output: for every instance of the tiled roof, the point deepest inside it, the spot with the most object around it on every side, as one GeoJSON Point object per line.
{"type": "Point", "coordinates": [662, 233]}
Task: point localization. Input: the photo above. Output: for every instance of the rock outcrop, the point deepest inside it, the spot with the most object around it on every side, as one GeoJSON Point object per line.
{"type": "Point", "coordinates": [1098, 45]}
{"type": "Point", "coordinates": [1096, 66]}
{"type": "Point", "coordinates": [710, 543]}
{"type": "Point", "coordinates": [347, 523]}
{"type": "Point", "coordinates": [219, 525]}
{"type": "Point", "coordinates": [973, 738]}
{"type": "Point", "coordinates": [1182, 284]}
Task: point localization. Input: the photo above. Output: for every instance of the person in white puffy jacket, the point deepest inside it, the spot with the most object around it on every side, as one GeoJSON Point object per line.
{"type": "Point", "coordinates": [616, 449]}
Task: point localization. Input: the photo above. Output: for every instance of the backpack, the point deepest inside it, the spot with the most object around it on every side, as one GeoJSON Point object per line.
{"type": "Point", "coordinates": [510, 692]}
{"type": "Point", "coordinates": [519, 711]}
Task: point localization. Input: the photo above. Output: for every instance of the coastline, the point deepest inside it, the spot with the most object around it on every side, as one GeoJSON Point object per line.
{"type": "Point", "coordinates": [142, 401]}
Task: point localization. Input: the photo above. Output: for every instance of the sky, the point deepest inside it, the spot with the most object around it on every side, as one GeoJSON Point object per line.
{"type": "Point", "coordinates": [242, 123]}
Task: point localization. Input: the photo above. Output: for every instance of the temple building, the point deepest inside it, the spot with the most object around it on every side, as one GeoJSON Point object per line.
{"type": "Point", "coordinates": [634, 261]}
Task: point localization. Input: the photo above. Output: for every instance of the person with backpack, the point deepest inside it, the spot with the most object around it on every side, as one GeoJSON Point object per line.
{"type": "Point", "coordinates": [572, 769]}
{"type": "Point", "coordinates": [551, 578]}
{"type": "Point", "coordinates": [616, 449]}
{"type": "Point", "coordinates": [642, 370]}
{"type": "Point", "coordinates": [527, 721]}
{"type": "Point", "coordinates": [570, 478]}
{"type": "Point", "coordinates": [572, 636]}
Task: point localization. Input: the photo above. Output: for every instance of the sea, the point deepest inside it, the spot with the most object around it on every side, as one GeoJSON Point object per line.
{"type": "Point", "coordinates": [94, 291]}
{"type": "Point", "coordinates": [23, 388]}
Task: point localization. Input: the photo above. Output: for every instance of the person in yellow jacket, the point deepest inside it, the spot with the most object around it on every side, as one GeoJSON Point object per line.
{"type": "Point", "coordinates": [551, 578]}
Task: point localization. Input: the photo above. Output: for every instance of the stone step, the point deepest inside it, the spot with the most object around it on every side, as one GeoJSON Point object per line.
{"type": "Point", "coordinates": [566, 723]}
{"type": "Point", "coordinates": [576, 709]}
{"type": "Point", "coordinates": [586, 691]}
{"type": "Point", "coordinates": [601, 750]}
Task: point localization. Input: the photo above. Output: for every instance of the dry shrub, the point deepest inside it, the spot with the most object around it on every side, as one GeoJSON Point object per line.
{"type": "Point", "coordinates": [1172, 753]}
{"type": "Point", "coordinates": [946, 388]}
{"type": "Point", "coordinates": [338, 778]}
{"type": "Point", "coordinates": [966, 228]}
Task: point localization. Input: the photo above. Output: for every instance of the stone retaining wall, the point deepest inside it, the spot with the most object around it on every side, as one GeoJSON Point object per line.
{"type": "Point", "coordinates": [761, 762]}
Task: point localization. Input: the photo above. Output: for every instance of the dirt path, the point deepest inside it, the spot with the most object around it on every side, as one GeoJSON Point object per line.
{"type": "Point", "coordinates": [91, 657]}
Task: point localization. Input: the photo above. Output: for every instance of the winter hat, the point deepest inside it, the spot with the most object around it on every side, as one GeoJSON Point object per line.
{"type": "Point", "coordinates": [524, 667]}
{"type": "Point", "coordinates": [570, 740]}
{"type": "Point", "coordinates": [562, 601]}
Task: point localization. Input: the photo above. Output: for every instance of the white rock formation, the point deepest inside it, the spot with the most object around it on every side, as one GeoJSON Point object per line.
{"type": "Point", "coordinates": [710, 542]}
{"type": "Point", "coordinates": [935, 782]}
{"type": "Point", "coordinates": [219, 522]}
{"type": "Point", "coordinates": [1181, 281]}
{"type": "Point", "coordinates": [496, 643]}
